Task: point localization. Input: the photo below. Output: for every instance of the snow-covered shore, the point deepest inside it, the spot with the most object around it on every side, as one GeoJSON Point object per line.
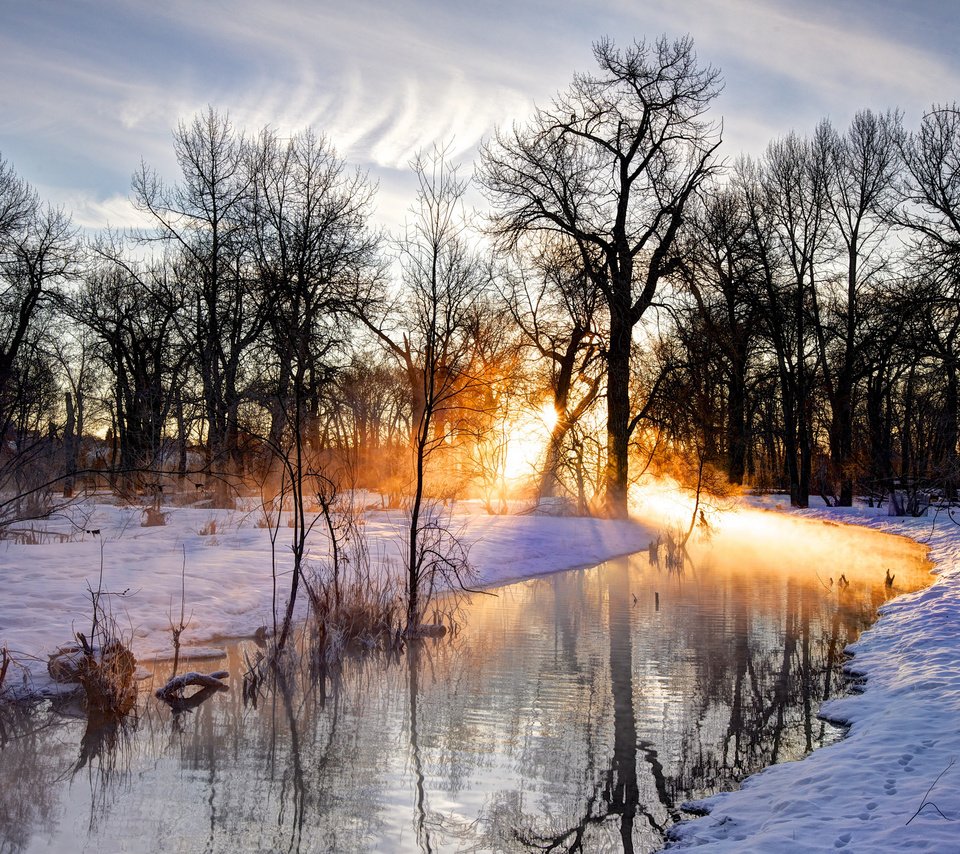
{"type": "Point", "coordinates": [226, 560]}
{"type": "Point", "coordinates": [865, 792]}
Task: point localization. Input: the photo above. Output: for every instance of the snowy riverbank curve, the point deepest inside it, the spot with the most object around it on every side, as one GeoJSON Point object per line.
{"type": "Point", "coordinates": [871, 791]}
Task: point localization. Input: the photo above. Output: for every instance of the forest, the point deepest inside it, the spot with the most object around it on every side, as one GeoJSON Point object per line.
{"type": "Point", "coordinates": [650, 301]}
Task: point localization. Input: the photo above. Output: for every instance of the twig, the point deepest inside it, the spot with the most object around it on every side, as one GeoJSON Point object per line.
{"type": "Point", "coordinates": [926, 803]}
{"type": "Point", "coordinates": [177, 630]}
{"type": "Point", "coordinates": [5, 658]}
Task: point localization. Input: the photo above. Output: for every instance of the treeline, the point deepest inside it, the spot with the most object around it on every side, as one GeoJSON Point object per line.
{"type": "Point", "coordinates": [816, 324]}
{"type": "Point", "coordinates": [788, 321]}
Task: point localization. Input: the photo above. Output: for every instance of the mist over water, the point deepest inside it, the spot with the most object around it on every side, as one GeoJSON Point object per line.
{"type": "Point", "coordinates": [580, 708]}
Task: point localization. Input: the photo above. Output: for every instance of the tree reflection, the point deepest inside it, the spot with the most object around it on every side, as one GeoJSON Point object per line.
{"type": "Point", "coordinates": [33, 753]}
{"type": "Point", "coordinates": [420, 789]}
{"type": "Point", "coordinates": [615, 796]}
{"type": "Point", "coordinates": [105, 756]}
{"type": "Point", "coordinates": [768, 693]}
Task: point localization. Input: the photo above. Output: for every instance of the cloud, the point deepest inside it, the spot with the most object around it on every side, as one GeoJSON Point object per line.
{"type": "Point", "coordinates": [116, 212]}
{"type": "Point", "coordinates": [92, 90]}
{"type": "Point", "coordinates": [838, 57]}
{"type": "Point", "coordinates": [804, 61]}
{"type": "Point", "coordinates": [374, 78]}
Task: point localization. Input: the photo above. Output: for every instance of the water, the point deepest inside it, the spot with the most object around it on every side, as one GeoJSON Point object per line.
{"type": "Point", "coordinates": [569, 713]}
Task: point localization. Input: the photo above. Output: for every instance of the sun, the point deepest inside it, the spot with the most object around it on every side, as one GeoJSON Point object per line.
{"type": "Point", "coordinates": [527, 439]}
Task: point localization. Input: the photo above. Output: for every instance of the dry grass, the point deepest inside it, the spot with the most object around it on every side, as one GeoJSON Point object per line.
{"type": "Point", "coordinates": [367, 617]}
{"type": "Point", "coordinates": [668, 550]}
{"type": "Point", "coordinates": [104, 663]}
{"type": "Point", "coordinates": [106, 677]}
{"type": "Point", "coordinates": [153, 517]}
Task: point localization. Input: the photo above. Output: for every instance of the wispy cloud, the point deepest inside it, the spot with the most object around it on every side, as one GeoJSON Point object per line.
{"type": "Point", "coordinates": [116, 212]}
{"type": "Point", "coordinates": [89, 92]}
{"type": "Point", "coordinates": [789, 64]}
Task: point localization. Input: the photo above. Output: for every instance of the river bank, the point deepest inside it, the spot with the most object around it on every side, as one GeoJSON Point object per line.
{"type": "Point", "coordinates": [219, 563]}
{"type": "Point", "coordinates": [891, 784]}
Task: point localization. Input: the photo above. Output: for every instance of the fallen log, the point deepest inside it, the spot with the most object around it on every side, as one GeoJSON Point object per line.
{"type": "Point", "coordinates": [173, 690]}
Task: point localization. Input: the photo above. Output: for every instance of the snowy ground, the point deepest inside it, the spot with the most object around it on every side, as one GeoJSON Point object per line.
{"type": "Point", "coordinates": [45, 596]}
{"type": "Point", "coordinates": [863, 793]}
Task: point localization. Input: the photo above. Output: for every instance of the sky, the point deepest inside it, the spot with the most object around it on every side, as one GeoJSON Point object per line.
{"type": "Point", "coordinates": [91, 87]}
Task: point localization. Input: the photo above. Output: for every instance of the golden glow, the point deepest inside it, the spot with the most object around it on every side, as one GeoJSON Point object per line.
{"type": "Point", "coordinates": [817, 550]}
{"type": "Point", "coordinates": [527, 438]}
{"type": "Point", "coordinates": [662, 500]}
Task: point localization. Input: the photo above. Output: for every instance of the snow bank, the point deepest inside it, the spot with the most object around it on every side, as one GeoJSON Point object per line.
{"type": "Point", "coordinates": [45, 597]}
{"type": "Point", "coordinates": [860, 793]}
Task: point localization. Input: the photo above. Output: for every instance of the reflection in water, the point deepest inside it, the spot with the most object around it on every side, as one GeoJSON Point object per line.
{"type": "Point", "coordinates": [571, 713]}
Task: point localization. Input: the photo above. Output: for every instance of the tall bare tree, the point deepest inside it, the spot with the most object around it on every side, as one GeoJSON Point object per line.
{"type": "Point", "coordinates": [131, 308]}
{"type": "Point", "coordinates": [38, 251]}
{"type": "Point", "coordinates": [861, 169]}
{"type": "Point", "coordinates": [786, 202]}
{"type": "Point", "coordinates": [611, 165]}
{"type": "Point", "coordinates": [314, 258]}
{"type": "Point", "coordinates": [722, 274]}
{"type": "Point", "coordinates": [930, 194]}
{"type": "Point", "coordinates": [430, 331]}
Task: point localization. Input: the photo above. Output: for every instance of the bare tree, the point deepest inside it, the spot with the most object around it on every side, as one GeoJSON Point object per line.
{"type": "Point", "coordinates": [862, 167]}
{"type": "Point", "coordinates": [131, 307]}
{"type": "Point", "coordinates": [315, 259]}
{"type": "Point", "coordinates": [721, 273]}
{"type": "Point", "coordinates": [930, 195]}
{"type": "Point", "coordinates": [38, 251]}
{"type": "Point", "coordinates": [204, 218]}
{"type": "Point", "coordinates": [610, 165]}
{"type": "Point", "coordinates": [785, 199]}
{"type": "Point", "coordinates": [430, 333]}
{"type": "Point", "coordinates": [369, 414]}
{"type": "Point", "coordinates": [558, 312]}
{"type": "Point", "coordinates": [74, 349]}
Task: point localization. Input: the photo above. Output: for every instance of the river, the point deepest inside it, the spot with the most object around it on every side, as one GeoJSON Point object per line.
{"type": "Point", "coordinates": [576, 711]}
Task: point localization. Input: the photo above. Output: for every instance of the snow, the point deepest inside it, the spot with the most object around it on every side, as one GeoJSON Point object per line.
{"type": "Point", "coordinates": [862, 793]}
{"type": "Point", "coordinates": [857, 794]}
{"type": "Point", "coordinates": [227, 575]}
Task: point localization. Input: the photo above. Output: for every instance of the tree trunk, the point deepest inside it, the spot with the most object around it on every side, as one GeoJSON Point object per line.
{"type": "Point", "coordinates": [951, 432]}
{"type": "Point", "coordinates": [844, 401]}
{"type": "Point", "coordinates": [69, 448]}
{"type": "Point", "coordinates": [736, 426]}
{"type": "Point", "coordinates": [625, 792]}
{"type": "Point", "coordinates": [181, 441]}
{"type": "Point", "coordinates": [618, 413]}
{"type": "Point", "coordinates": [877, 430]}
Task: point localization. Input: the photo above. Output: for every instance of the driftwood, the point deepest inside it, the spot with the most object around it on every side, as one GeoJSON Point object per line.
{"type": "Point", "coordinates": [172, 692]}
